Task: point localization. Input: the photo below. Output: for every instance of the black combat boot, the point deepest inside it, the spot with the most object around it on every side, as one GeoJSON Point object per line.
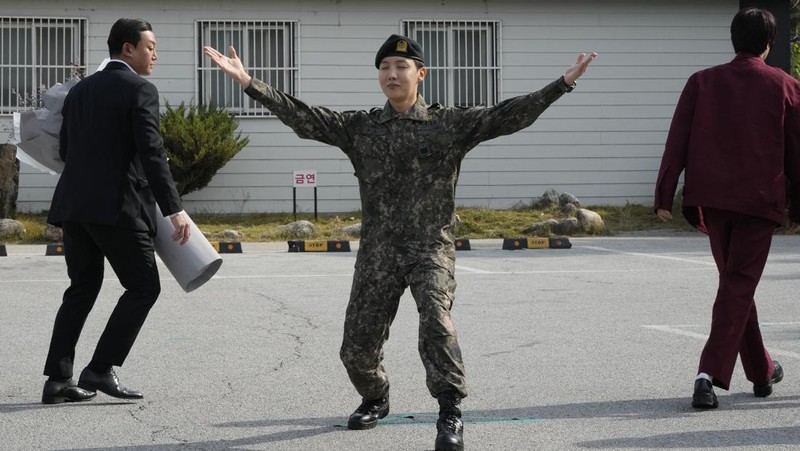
{"type": "Point", "coordinates": [450, 429]}
{"type": "Point", "coordinates": [368, 413]}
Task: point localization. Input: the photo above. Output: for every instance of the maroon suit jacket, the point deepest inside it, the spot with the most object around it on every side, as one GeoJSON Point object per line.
{"type": "Point", "coordinates": [736, 133]}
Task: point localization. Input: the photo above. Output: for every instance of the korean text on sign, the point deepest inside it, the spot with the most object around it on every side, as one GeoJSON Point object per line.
{"type": "Point", "coordinates": [304, 178]}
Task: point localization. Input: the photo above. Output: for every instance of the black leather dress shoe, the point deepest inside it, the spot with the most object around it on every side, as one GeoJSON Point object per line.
{"type": "Point", "coordinates": [368, 413]}
{"type": "Point", "coordinates": [56, 392]}
{"type": "Point", "coordinates": [765, 389]}
{"type": "Point", "coordinates": [107, 383]}
{"type": "Point", "coordinates": [704, 396]}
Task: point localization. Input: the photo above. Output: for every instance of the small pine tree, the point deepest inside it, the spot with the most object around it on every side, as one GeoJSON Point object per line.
{"type": "Point", "coordinates": [199, 141]}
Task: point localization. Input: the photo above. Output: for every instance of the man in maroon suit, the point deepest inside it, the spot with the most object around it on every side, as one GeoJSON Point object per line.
{"type": "Point", "coordinates": [736, 133]}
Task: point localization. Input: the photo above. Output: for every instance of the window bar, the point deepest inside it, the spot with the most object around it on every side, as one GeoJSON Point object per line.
{"type": "Point", "coordinates": [479, 65]}
{"type": "Point", "coordinates": [25, 45]}
{"type": "Point", "coordinates": [42, 55]}
{"type": "Point", "coordinates": [36, 63]}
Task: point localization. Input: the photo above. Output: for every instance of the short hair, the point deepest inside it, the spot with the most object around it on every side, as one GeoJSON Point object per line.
{"type": "Point", "coordinates": [126, 30]}
{"type": "Point", "coordinates": [752, 30]}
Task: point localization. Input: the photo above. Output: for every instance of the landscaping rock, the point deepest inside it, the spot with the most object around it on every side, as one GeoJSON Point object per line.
{"type": "Point", "coordinates": [544, 228]}
{"type": "Point", "coordinates": [590, 221]}
{"type": "Point", "coordinates": [53, 234]}
{"type": "Point", "coordinates": [10, 228]}
{"type": "Point", "coordinates": [569, 226]}
{"type": "Point", "coordinates": [231, 235]}
{"type": "Point", "coordinates": [300, 228]}
{"type": "Point", "coordinates": [549, 199]}
{"type": "Point", "coordinates": [567, 198]}
{"type": "Point", "coordinates": [353, 230]}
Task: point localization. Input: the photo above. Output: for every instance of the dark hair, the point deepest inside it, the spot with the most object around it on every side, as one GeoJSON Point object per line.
{"type": "Point", "coordinates": [752, 30]}
{"type": "Point", "coordinates": [126, 30]}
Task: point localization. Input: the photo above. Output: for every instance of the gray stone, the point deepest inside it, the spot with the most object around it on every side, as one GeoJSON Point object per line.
{"type": "Point", "coordinates": [543, 228]}
{"type": "Point", "coordinates": [299, 228]}
{"type": "Point", "coordinates": [549, 199]}
{"type": "Point", "coordinates": [53, 234]}
{"type": "Point", "coordinates": [352, 230]}
{"type": "Point", "coordinates": [568, 226]}
{"type": "Point", "coordinates": [231, 234]}
{"type": "Point", "coordinates": [590, 221]}
{"type": "Point", "coordinates": [569, 209]}
{"type": "Point", "coordinates": [10, 228]}
{"type": "Point", "coordinates": [567, 198]}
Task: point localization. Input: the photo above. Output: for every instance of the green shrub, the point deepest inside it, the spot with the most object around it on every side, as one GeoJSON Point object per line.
{"type": "Point", "coordinates": [199, 141]}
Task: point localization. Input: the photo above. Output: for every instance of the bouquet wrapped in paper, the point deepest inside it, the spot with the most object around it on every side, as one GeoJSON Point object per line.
{"type": "Point", "coordinates": [36, 135]}
{"type": "Point", "coordinates": [36, 132]}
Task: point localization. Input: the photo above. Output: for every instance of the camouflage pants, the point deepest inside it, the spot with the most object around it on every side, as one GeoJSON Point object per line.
{"type": "Point", "coordinates": [374, 300]}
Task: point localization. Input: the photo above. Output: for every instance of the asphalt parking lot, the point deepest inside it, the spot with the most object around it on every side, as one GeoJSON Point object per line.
{"type": "Point", "coordinates": [593, 347]}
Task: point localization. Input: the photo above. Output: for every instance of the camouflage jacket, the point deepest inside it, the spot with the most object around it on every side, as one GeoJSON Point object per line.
{"type": "Point", "coordinates": [407, 164]}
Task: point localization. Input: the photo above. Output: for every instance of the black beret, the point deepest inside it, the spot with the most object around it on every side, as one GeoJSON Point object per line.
{"type": "Point", "coordinates": [398, 45]}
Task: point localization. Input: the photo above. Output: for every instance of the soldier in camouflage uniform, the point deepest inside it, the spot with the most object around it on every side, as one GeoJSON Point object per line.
{"type": "Point", "coordinates": [407, 157]}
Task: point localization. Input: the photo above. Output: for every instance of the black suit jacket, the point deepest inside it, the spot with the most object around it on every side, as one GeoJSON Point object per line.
{"type": "Point", "coordinates": [115, 167]}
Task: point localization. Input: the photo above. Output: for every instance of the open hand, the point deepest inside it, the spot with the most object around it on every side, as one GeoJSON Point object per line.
{"type": "Point", "coordinates": [231, 65]}
{"type": "Point", "coordinates": [578, 69]}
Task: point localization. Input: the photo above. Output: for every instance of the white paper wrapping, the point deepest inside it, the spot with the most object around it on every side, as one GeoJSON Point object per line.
{"type": "Point", "coordinates": [36, 132]}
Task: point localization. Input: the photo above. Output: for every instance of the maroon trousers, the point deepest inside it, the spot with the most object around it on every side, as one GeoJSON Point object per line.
{"type": "Point", "coordinates": [740, 245]}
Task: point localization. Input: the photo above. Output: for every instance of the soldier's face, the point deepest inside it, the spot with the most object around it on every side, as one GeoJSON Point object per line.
{"type": "Point", "coordinates": [399, 77]}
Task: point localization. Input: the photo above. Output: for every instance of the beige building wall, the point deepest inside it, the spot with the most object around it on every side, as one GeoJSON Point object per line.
{"type": "Point", "coordinates": [602, 142]}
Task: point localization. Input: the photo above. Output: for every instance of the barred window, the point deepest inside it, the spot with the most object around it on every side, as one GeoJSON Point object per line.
{"type": "Point", "coordinates": [268, 50]}
{"type": "Point", "coordinates": [36, 53]}
{"type": "Point", "coordinates": [463, 60]}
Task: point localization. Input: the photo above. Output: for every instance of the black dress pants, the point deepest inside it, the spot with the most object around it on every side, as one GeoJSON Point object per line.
{"type": "Point", "coordinates": [131, 255]}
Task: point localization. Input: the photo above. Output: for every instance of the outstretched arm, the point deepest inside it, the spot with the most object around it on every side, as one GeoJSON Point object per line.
{"type": "Point", "coordinates": [516, 113]}
{"type": "Point", "coordinates": [576, 70]}
{"type": "Point", "coordinates": [317, 123]}
{"type": "Point", "coordinates": [231, 65]}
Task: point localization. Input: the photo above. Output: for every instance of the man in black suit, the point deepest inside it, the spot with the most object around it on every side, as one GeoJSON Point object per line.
{"type": "Point", "coordinates": [115, 173]}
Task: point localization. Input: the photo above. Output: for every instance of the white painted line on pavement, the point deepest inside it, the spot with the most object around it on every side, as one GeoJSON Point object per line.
{"type": "Point", "coordinates": [639, 254]}
{"type": "Point", "coordinates": [573, 271]}
{"type": "Point", "coordinates": [216, 277]}
{"type": "Point", "coordinates": [473, 270]}
{"type": "Point", "coordinates": [685, 333]}
{"type": "Point", "coordinates": [466, 272]}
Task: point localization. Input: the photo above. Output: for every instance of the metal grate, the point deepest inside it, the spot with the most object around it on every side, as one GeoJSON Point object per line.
{"type": "Point", "coordinates": [35, 54]}
{"type": "Point", "coordinates": [463, 60]}
{"type": "Point", "coordinates": [268, 49]}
